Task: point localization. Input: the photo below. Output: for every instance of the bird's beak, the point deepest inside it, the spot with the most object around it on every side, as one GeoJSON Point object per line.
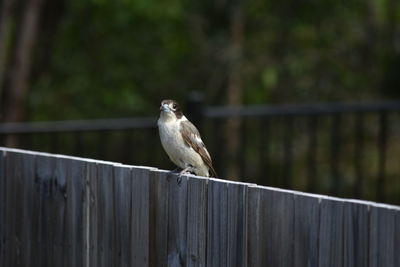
{"type": "Point", "coordinates": [164, 108]}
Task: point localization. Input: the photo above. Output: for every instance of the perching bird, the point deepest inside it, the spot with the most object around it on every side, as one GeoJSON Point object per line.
{"type": "Point", "coordinates": [182, 142]}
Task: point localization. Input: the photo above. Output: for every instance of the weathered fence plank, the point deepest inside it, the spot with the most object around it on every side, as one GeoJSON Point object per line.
{"type": "Point", "coordinates": [140, 217]}
{"type": "Point", "coordinates": [383, 237]}
{"type": "Point", "coordinates": [122, 202]}
{"type": "Point", "coordinates": [74, 212]}
{"type": "Point", "coordinates": [217, 224]}
{"type": "Point", "coordinates": [63, 211]}
{"type": "Point", "coordinates": [271, 227]}
{"type": "Point", "coordinates": [3, 206]}
{"type": "Point", "coordinates": [25, 186]}
{"type": "Point", "coordinates": [279, 223]}
{"type": "Point", "coordinates": [397, 239]}
{"type": "Point", "coordinates": [177, 224]}
{"type": "Point", "coordinates": [106, 217]}
{"type": "Point", "coordinates": [236, 225]}
{"type": "Point", "coordinates": [93, 241]}
{"type": "Point", "coordinates": [21, 188]}
{"type": "Point", "coordinates": [331, 233]}
{"type": "Point", "coordinates": [356, 228]}
{"type": "Point", "coordinates": [48, 205]}
{"type": "Point", "coordinates": [158, 253]}
{"type": "Point", "coordinates": [255, 229]}
{"type": "Point", "coordinates": [196, 222]}
{"type": "Point", "coordinates": [306, 230]}
{"type": "Point", "coordinates": [19, 169]}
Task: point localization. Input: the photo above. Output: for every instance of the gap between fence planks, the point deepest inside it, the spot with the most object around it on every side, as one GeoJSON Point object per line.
{"type": "Point", "coordinates": [57, 210]}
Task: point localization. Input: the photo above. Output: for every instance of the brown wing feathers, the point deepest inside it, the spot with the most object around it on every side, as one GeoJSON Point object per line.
{"type": "Point", "coordinates": [192, 138]}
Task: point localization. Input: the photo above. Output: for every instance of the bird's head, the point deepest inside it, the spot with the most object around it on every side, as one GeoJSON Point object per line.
{"type": "Point", "coordinates": [171, 108]}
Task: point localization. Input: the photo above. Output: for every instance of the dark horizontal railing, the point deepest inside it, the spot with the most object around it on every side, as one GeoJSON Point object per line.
{"type": "Point", "coordinates": [77, 125]}
{"type": "Point", "coordinates": [303, 109]}
{"type": "Point", "coordinates": [344, 149]}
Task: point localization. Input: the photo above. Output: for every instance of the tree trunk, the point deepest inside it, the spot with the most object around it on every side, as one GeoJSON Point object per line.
{"type": "Point", "coordinates": [234, 96]}
{"type": "Point", "coordinates": [15, 86]}
{"type": "Point", "coordinates": [5, 18]}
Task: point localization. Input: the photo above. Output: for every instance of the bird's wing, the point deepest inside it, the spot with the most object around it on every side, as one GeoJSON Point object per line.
{"type": "Point", "coordinates": [192, 137]}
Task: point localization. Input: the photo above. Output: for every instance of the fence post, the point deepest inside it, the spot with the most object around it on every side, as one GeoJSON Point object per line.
{"type": "Point", "coordinates": [195, 108]}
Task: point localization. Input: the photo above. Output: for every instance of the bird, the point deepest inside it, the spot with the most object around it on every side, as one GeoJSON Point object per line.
{"type": "Point", "coordinates": [182, 141]}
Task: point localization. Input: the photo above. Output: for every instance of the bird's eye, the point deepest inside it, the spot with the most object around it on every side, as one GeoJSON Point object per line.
{"type": "Point", "coordinates": [174, 106]}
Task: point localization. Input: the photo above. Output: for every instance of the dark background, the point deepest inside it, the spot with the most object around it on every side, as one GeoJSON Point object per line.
{"type": "Point", "coordinates": [96, 59]}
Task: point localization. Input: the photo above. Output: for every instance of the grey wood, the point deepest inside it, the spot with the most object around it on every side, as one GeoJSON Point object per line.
{"type": "Point", "coordinates": [46, 205]}
{"type": "Point", "coordinates": [74, 212]}
{"type": "Point", "coordinates": [12, 173]}
{"type": "Point", "coordinates": [177, 220]}
{"type": "Point", "coordinates": [356, 232]}
{"type": "Point", "coordinates": [94, 222]}
{"type": "Point", "coordinates": [217, 224]}
{"type": "Point", "coordinates": [271, 226]}
{"type": "Point", "coordinates": [306, 230]}
{"type": "Point", "coordinates": [256, 230]}
{"type": "Point", "coordinates": [24, 195]}
{"type": "Point", "coordinates": [279, 227]}
{"type": "Point", "coordinates": [158, 221]}
{"type": "Point", "coordinates": [14, 210]}
{"type": "Point", "coordinates": [122, 202]}
{"type": "Point", "coordinates": [105, 219]}
{"type": "Point", "coordinates": [382, 237]}
{"type": "Point", "coordinates": [3, 206]}
{"type": "Point", "coordinates": [140, 217]}
{"type": "Point", "coordinates": [86, 215]}
{"type": "Point", "coordinates": [236, 224]}
{"type": "Point", "coordinates": [66, 211]}
{"type": "Point", "coordinates": [331, 233]}
{"type": "Point", "coordinates": [396, 246]}
{"type": "Point", "coordinates": [196, 222]}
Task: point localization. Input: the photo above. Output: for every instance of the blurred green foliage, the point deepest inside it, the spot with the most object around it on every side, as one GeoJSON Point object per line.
{"type": "Point", "coordinates": [119, 58]}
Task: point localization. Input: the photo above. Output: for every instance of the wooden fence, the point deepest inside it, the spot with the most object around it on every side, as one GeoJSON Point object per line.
{"type": "Point", "coordinates": [64, 211]}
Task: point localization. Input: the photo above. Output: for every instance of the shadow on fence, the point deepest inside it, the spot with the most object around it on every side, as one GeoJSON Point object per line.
{"type": "Point", "coordinates": [63, 211]}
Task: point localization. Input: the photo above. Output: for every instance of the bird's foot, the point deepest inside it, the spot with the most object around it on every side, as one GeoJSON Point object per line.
{"type": "Point", "coordinates": [183, 172]}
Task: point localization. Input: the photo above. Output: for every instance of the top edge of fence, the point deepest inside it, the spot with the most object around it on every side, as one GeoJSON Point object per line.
{"type": "Point", "coordinates": [61, 156]}
{"type": "Point", "coordinates": [321, 197]}
{"type": "Point", "coordinates": [190, 176]}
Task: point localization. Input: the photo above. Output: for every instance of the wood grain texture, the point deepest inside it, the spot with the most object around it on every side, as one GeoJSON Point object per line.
{"type": "Point", "coordinates": [397, 239]}
{"type": "Point", "coordinates": [356, 233]}
{"type": "Point", "coordinates": [63, 211]}
{"type": "Point", "coordinates": [331, 233]}
{"type": "Point", "coordinates": [122, 223]}
{"type": "Point", "coordinates": [271, 228]}
{"type": "Point", "coordinates": [158, 226]}
{"type": "Point", "coordinates": [256, 230]}
{"type": "Point", "coordinates": [3, 205]}
{"type": "Point", "coordinates": [94, 246]}
{"type": "Point", "coordinates": [177, 220]}
{"type": "Point", "coordinates": [105, 213]}
{"type": "Point", "coordinates": [196, 222]}
{"type": "Point", "coordinates": [48, 202]}
{"type": "Point", "coordinates": [217, 206]}
{"type": "Point", "coordinates": [140, 217]}
{"type": "Point", "coordinates": [382, 237]}
{"type": "Point", "coordinates": [74, 212]}
{"type": "Point", "coordinates": [19, 184]}
{"type": "Point", "coordinates": [279, 225]}
{"type": "Point", "coordinates": [25, 196]}
{"type": "Point", "coordinates": [306, 230]}
{"type": "Point", "coordinates": [236, 224]}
